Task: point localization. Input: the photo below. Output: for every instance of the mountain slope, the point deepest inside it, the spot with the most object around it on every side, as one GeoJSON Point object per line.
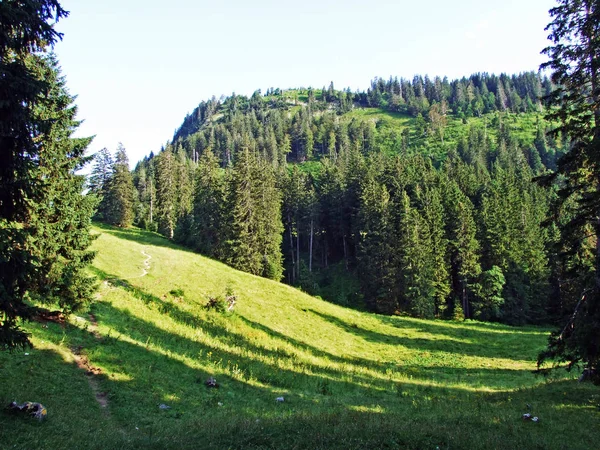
{"type": "Point", "coordinates": [348, 379]}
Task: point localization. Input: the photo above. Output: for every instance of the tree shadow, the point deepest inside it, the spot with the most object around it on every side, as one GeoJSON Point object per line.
{"type": "Point", "coordinates": [302, 355]}
{"type": "Point", "coordinates": [144, 365]}
{"type": "Point", "coordinates": [470, 342]}
{"type": "Point", "coordinates": [140, 236]}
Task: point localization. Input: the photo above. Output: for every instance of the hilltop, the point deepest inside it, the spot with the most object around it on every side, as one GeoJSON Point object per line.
{"type": "Point", "coordinates": [414, 197]}
{"type": "Point", "coordinates": [348, 379]}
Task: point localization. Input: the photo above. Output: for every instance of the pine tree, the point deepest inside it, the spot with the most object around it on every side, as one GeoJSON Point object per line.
{"type": "Point", "coordinates": [99, 180]}
{"type": "Point", "coordinates": [463, 246]}
{"type": "Point", "coordinates": [434, 216]}
{"type": "Point", "coordinates": [416, 266]}
{"type": "Point", "coordinates": [209, 198]}
{"type": "Point", "coordinates": [44, 218]}
{"type": "Point", "coordinates": [120, 196]}
{"type": "Point", "coordinates": [575, 104]}
{"type": "Point", "coordinates": [46, 255]}
{"type": "Point", "coordinates": [270, 227]}
{"type": "Point", "coordinates": [377, 262]}
{"type": "Point", "coordinates": [166, 192]}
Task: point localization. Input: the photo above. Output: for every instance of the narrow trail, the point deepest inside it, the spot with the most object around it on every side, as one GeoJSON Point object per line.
{"type": "Point", "coordinates": [146, 268]}
{"type": "Point", "coordinates": [83, 363]}
{"type": "Point", "coordinates": [146, 264]}
{"type": "Point", "coordinates": [91, 372]}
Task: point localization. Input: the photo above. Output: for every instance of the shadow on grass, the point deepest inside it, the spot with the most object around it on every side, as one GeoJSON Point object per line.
{"type": "Point", "coordinates": [483, 343]}
{"type": "Point", "coordinates": [139, 377]}
{"type": "Point", "coordinates": [145, 365]}
{"type": "Point", "coordinates": [140, 236]}
{"type": "Point", "coordinates": [347, 372]}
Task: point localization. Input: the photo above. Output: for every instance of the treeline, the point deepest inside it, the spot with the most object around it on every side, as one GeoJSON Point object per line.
{"type": "Point", "coordinates": [474, 96]}
{"type": "Point", "coordinates": [467, 97]}
{"type": "Point", "coordinates": [458, 238]}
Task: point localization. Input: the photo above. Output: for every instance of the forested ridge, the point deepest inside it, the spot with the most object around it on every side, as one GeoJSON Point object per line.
{"type": "Point", "coordinates": [413, 197]}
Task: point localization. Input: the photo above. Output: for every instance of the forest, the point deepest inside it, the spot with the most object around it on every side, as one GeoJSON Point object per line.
{"type": "Point", "coordinates": [415, 197]}
{"type": "Point", "coordinates": [414, 265]}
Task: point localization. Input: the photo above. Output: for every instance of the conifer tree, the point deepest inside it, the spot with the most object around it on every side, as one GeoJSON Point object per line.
{"type": "Point", "coordinates": [574, 59]}
{"type": "Point", "coordinates": [44, 216]}
{"type": "Point", "coordinates": [166, 192]}
{"type": "Point", "coordinates": [120, 196]}
{"type": "Point", "coordinates": [434, 216]}
{"type": "Point", "coordinates": [208, 208]}
{"type": "Point", "coordinates": [463, 246]}
{"type": "Point", "coordinates": [416, 267]}
{"type": "Point", "coordinates": [377, 261]}
{"type": "Point", "coordinates": [254, 225]}
{"type": "Point", "coordinates": [99, 180]}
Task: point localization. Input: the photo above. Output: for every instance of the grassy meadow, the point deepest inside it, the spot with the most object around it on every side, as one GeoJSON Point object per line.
{"type": "Point", "coordinates": [349, 379]}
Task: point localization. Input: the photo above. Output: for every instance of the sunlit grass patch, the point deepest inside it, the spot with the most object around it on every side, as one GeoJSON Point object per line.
{"type": "Point", "coordinates": [348, 379]}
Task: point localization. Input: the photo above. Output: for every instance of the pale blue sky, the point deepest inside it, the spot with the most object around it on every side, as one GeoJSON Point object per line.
{"type": "Point", "coordinates": [138, 66]}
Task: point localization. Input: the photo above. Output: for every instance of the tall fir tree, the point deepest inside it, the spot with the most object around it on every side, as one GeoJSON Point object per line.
{"type": "Point", "coordinates": [120, 196]}
{"type": "Point", "coordinates": [575, 105]}
{"type": "Point", "coordinates": [44, 216]}
{"type": "Point", "coordinates": [99, 180]}
{"type": "Point", "coordinates": [207, 215]}
{"type": "Point", "coordinates": [166, 192]}
{"type": "Point", "coordinates": [377, 255]}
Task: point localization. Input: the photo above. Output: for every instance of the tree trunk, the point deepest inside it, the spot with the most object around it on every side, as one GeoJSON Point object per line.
{"type": "Point", "coordinates": [345, 251]}
{"type": "Point", "coordinates": [298, 249]}
{"type": "Point", "coordinates": [310, 252]}
{"type": "Point", "coordinates": [292, 252]}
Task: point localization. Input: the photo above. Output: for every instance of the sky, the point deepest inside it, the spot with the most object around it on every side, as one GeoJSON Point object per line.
{"type": "Point", "coordinates": [138, 67]}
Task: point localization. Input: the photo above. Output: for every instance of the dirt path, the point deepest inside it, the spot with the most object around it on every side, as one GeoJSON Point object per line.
{"type": "Point", "coordinates": [146, 268]}
{"type": "Point", "coordinates": [91, 372]}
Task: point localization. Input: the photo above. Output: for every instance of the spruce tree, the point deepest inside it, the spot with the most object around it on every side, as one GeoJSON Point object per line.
{"type": "Point", "coordinates": [44, 217]}
{"type": "Point", "coordinates": [44, 241]}
{"type": "Point", "coordinates": [120, 196]}
{"type": "Point", "coordinates": [99, 181]}
{"type": "Point", "coordinates": [166, 192]}
{"type": "Point", "coordinates": [377, 255]}
{"type": "Point", "coordinates": [208, 207]}
{"type": "Point", "coordinates": [575, 104]}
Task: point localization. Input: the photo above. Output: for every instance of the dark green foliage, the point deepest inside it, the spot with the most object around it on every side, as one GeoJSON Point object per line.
{"type": "Point", "coordinates": [99, 180]}
{"type": "Point", "coordinates": [208, 207]}
{"type": "Point", "coordinates": [118, 201]}
{"type": "Point", "coordinates": [489, 294]}
{"type": "Point", "coordinates": [253, 223]}
{"type": "Point", "coordinates": [377, 257]}
{"type": "Point", "coordinates": [166, 192]}
{"type": "Point", "coordinates": [24, 28]}
{"type": "Point", "coordinates": [44, 241]}
{"type": "Point", "coordinates": [575, 105]}
{"type": "Point", "coordinates": [411, 209]}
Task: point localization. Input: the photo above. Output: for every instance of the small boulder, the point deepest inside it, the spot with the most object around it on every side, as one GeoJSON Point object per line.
{"type": "Point", "coordinates": [211, 383]}
{"type": "Point", "coordinates": [33, 409]}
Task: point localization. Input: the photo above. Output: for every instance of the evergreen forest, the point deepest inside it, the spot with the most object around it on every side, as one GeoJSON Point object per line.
{"type": "Point", "coordinates": [415, 197]}
{"type": "Point", "coordinates": [408, 266]}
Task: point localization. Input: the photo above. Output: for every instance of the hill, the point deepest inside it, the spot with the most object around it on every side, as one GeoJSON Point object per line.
{"type": "Point", "coordinates": [414, 197]}
{"type": "Point", "coordinates": [348, 379]}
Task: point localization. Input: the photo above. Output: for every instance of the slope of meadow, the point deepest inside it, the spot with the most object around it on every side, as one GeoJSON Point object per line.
{"type": "Point", "coordinates": [349, 379]}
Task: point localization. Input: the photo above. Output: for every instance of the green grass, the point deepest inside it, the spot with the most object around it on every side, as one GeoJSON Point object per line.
{"type": "Point", "coordinates": [350, 379]}
{"type": "Point", "coordinates": [396, 120]}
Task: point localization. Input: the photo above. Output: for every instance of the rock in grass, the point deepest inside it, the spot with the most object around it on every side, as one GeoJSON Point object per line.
{"type": "Point", "coordinates": [211, 383]}
{"type": "Point", "coordinates": [280, 399]}
{"type": "Point", "coordinates": [33, 409]}
{"type": "Point", "coordinates": [163, 406]}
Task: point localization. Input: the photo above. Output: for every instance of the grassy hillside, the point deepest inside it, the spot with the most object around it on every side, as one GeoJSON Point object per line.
{"type": "Point", "coordinates": [349, 379]}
